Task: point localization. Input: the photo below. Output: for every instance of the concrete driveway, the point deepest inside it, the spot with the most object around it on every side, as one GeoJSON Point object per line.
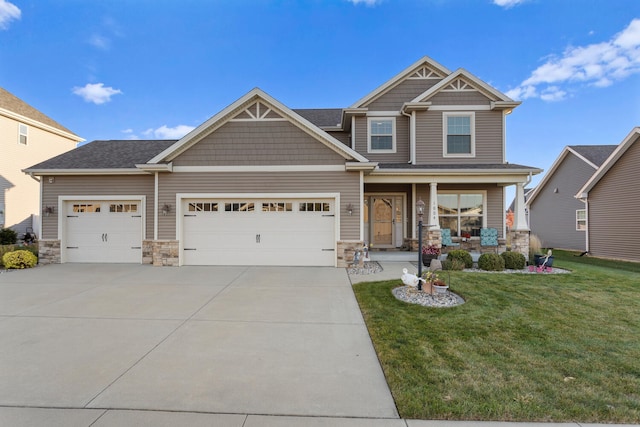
{"type": "Point", "coordinates": [226, 340]}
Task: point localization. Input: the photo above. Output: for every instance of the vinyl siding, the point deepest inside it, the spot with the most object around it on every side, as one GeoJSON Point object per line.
{"type": "Point", "coordinates": [488, 138]}
{"type": "Point", "coordinates": [459, 98]}
{"type": "Point", "coordinates": [614, 206]}
{"type": "Point", "coordinates": [345, 183]}
{"type": "Point", "coordinates": [552, 216]}
{"type": "Point", "coordinates": [402, 141]}
{"type": "Point", "coordinates": [142, 185]}
{"type": "Point", "coordinates": [406, 91]}
{"type": "Point", "coordinates": [258, 143]}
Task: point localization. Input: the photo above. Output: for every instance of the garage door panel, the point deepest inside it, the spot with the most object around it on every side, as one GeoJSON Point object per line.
{"type": "Point", "coordinates": [260, 237]}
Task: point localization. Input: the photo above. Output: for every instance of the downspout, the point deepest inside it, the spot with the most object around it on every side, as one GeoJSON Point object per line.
{"type": "Point", "coordinates": [155, 208]}
{"type": "Point", "coordinates": [412, 135]}
{"type": "Point", "coordinates": [586, 211]}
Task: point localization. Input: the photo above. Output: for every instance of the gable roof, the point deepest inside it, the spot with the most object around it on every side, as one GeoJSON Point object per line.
{"type": "Point", "coordinates": [498, 98]}
{"type": "Point", "coordinates": [626, 143]}
{"type": "Point", "coordinates": [439, 69]}
{"type": "Point", "coordinates": [592, 155]}
{"type": "Point", "coordinates": [103, 155]}
{"type": "Point", "coordinates": [10, 103]}
{"type": "Point", "coordinates": [255, 95]}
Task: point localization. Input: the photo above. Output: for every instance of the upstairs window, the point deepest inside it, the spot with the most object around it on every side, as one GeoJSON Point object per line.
{"type": "Point", "coordinates": [459, 134]}
{"type": "Point", "coordinates": [23, 133]}
{"type": "Point", "coordinates": [382, 135]}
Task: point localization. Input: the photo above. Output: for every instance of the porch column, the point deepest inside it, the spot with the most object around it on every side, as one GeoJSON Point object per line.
{"type": "Point", "coordinates": [434, 221]}
{"type": "Point", "coordinates": [519, 216]}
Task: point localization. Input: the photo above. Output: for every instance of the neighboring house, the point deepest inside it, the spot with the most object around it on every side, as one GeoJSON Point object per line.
{"type": "Point", "coordinates": [26, 136]}
{"type": "Point", "coordinates": [262, 184]}
{"type": "Point", "coordinates": [612, 200]}
{"type": "Point", "coordinates": [555, 215]}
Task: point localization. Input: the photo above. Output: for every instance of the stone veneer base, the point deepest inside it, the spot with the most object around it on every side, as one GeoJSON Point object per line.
{"type": "Point", "coordinates": [161, 253]}
{"type": "Point", "coordinates": [49, 252]}
{"type": "Point", "coordinates": [346, 253]}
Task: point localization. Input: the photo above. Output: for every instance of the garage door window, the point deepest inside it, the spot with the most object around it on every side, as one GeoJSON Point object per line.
{"type": "Point", "coordinates": [277, 207]}
{"type": "Point", "coordinates": [239, 207]}
{"type": "Point", "coordinates": [203, 207]}
{"type": "Point", "coordinates": [315, 207]}
{"type": "Point", "coordinates": [123, 207]}
{"type": "Point", "coordinates": [86, 208]}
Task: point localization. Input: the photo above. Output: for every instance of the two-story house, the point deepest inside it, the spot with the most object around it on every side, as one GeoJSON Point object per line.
{"type": "Point", "coordinates": [262, 184]}
{"type": "Point", "coordinates": [27, 136]}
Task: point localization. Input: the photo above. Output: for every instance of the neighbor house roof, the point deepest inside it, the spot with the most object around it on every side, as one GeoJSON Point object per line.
{"type": "Point", "coordinates": [12, 104]}
{"type": "Point", "coordinates": [619, 151]}
{"type": "Point", "coordinates": [592, 155]}
{"type": "Point", "coordinates": [104, 155]}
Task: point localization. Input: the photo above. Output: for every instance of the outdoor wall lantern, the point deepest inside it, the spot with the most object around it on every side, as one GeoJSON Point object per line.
{"type": "Point", "coordinates": [420, 212]}
{"type": "Point", "coordinates": [166, 209]}
{"type": "Point", "coordinates": [350, 209]}
{"type": "Point", "coordinates": [48, 210]}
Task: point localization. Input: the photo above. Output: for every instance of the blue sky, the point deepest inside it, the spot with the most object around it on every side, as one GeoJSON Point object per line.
{"type": "Point", "coordinates": [156, 68]}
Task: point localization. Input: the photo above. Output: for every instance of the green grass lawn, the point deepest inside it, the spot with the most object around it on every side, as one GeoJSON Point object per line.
{"type": "Point", "coordinates": [536, 347]}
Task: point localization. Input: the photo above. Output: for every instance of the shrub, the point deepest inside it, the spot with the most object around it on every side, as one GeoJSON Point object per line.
{"type": "Point", "coordinates": [462, 256]}
{"type": "Point", "coordinates": [452, 264]}
{"type": "Point", "coordinates": [19, 259]}
{"type": "Point", "coordinates": [8, 237]}
{"type": "Point", "coordinates": [513, 260]}
{"type": "Point", "coordinates": [491, 262]}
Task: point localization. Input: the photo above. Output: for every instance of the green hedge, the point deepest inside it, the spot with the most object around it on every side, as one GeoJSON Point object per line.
{"type": "Point", "coordinates": [513, 260]}
{"type": "Point", "coordinates": [491, 262]}
{"type": "Point", "coordinates": [462, 256]}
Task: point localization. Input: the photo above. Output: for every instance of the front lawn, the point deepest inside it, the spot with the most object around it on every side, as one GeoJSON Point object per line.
{"type": "Point", "coordinates": [536, 347]}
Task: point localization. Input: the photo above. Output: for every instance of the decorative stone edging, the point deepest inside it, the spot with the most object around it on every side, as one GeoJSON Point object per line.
{"type": "Point", "coordinates": [414, 296]}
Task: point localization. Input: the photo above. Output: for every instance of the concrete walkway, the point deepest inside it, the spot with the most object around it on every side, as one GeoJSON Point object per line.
{"type": "Point", "coordinates": [120, 345]}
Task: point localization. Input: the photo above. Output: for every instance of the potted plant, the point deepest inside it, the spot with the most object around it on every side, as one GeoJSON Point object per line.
{"type": "Point", "coordinates": [429, 253]}
{"type": "Point", "coordinates": [436, 283]}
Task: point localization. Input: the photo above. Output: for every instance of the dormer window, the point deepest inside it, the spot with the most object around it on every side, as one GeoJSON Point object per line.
{"type": "Point", "coordinates": [23, 133]}
{"type": "Point", "coordinates": [382, 137]}
{"type": "Point", "coordinates": [459, 134]}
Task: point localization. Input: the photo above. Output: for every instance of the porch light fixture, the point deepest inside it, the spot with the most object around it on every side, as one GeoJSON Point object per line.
{"type": "Point", "coordinates": [350, 209]}
{"type": "Point", "coordinates": [166, 209]}
{"type": "Point", "coordinates": [420, 212]}
{"type": "Point", "coordinates": [48, 210]}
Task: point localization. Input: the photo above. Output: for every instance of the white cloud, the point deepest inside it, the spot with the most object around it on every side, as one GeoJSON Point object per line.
{"type": "Point", "coordinates": [8, 13]}
{"type": "Point", "coordinates": [365, 2]}
{"type": "Point", "coordinates": [507, 3]}
{"type": "Point", "coordinates": [597, 64]}
{"type": "Point", "coordinates": [164, 132]}
{"type": "Point", "coordinates": [96, 93]}
{"type": "Point", "coordinates": [100, 42]}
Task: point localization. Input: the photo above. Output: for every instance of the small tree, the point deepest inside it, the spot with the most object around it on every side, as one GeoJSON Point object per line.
{"type": "Point", "coordinates": [8, 237]}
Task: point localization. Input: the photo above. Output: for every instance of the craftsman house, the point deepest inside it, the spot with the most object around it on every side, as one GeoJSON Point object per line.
{"type": "Point", "coordinates": [262, 184]}
{"type": "Point", "coordinates": [555, 215]}
{"type": "Point", "coordinates": [27, 136]}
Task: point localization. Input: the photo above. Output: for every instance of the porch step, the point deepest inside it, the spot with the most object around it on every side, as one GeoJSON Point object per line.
{"type": "Point", "coordinates": [407, 256]}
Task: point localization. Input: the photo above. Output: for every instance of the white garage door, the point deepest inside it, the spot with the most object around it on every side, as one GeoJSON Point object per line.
{"type": "Point", "coordinates": [103, 231]}
{"type": "Point", "coordinates": [297, 232]}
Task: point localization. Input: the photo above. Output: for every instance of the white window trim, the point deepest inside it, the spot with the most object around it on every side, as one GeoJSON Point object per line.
{"type": "Point", "coordinates": [484, 203]}
{"type": "Point", "coordinates": [472, 125]}
{"type": "Point", "coordinates": [585, 219]}
{"type": "Point", "coordinates": [393, 134]}
{"type": "Point", "coordinates": [25, 133]}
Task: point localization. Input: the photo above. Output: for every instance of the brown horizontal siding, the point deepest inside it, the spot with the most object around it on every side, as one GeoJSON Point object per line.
{"type": "Point", "coordinates": [614, 204]}
{"type": "Point", "coordinates": [258, 143]}
{"type": "Point", "coordinates": [429, 138]}
{"type": "Point", "coordinates": [402, 141]}
{"type": "Point", "coordinates": [95, 186]}
{"type": "Point", "coordinates": [459, 98]}
{"type": "Point", "coordinates": [406, 91]}
{"type": "Point", "coordinates": [345, 183]}
{"type": "Point", "coordinates": [552, 215]}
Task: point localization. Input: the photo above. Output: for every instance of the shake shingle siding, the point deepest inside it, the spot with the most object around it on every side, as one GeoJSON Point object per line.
{"type": "Point", "coordinates": [393, 99]}
{"type": "Point", "coordinates": [552, 215]}
{"type": "Point", "coordinates": [258, 143]}
{"type": "Point", "coordinates": [459, 98]}
{"type": "Point", "coordinates": [614, 209]}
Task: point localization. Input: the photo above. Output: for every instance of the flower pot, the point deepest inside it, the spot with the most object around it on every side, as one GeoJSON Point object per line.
{"type": "Point", "coordinates": [439, 289]}
{"type": "Point", "coordinates": [426, 259]}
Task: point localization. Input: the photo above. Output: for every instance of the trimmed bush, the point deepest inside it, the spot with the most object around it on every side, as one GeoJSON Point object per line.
{"type": "Point", "coordinates": [462, 256]}
{"type": "Point", "coordinates": [491, 262]}
{"type": "Point", "coordinates": [8, 237]}
{"type": "Point", "coordinates": [452, 264]}
{"type": "Point", "coordinates": [513, 260]}
{"type": "Point", "coordinates": [19, 259]}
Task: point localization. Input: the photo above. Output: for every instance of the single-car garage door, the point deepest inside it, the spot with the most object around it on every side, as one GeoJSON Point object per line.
{"type": "Point", "coordinates": [103, 231]}
{"type": "Point", "coordinates": [297, 232]}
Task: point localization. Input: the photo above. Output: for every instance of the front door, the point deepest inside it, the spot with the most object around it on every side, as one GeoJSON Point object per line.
{"type": "Point", "coordinates": [384, 220]}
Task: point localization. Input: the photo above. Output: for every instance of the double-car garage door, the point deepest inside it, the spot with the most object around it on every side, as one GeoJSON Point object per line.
{"type": "Point", "coordinates": [258, 231]}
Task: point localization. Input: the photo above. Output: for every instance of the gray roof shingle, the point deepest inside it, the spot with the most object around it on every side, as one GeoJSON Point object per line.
{"type": "Point", "coordinates": [321, 117]}
{"type": "Point", "coordinates": [112, 154]}
{"type": "Point", "coordinates": [596, 154]}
